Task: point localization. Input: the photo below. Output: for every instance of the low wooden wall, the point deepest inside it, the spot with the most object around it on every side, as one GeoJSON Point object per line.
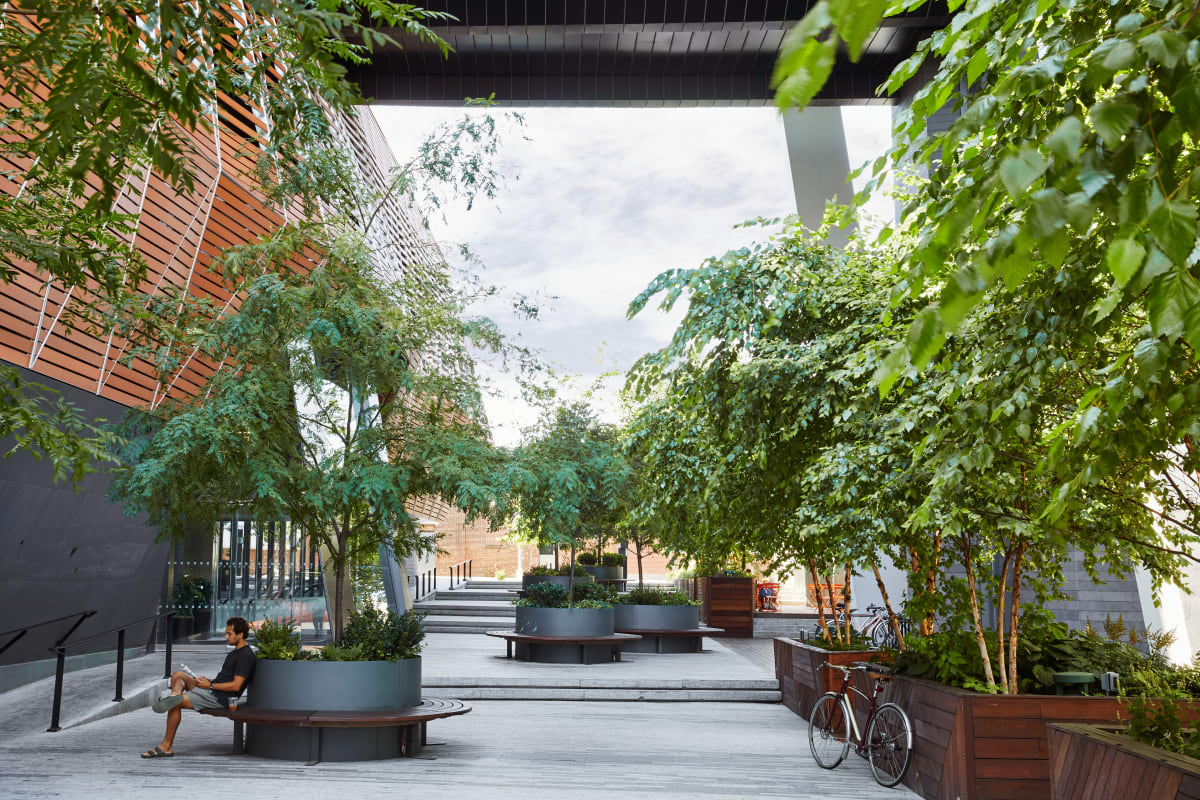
{"type": "Point", "coordinates": [729, 605]}
{"type": "Point", "coordinates": [1093, 763]}
{"type": "Point", "coordinates": [802, 678]}
{"type": "Point", "coordinates": [969, 746]}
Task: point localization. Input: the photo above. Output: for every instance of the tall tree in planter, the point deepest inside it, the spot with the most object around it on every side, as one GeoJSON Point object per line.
{"type": "Point", "coordinates": [99, 94]}
{"type": "Point", "coordinates": [341, 394]}
{"type": "Point", "coordinates": [568, 481]}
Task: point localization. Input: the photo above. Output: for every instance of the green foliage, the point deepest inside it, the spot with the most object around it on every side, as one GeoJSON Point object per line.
{"type": "Point", "coordinates": [856, 642]}
{"type": "Point", "coordinates": [100, 92]}
{"type": "Point", "coordinates": [586, 559]}
{"type": "Point", "coordinates": [540, 570]}
{"type": "Point", "coordinates": [544, 595]}
{"type": "Point", "coordinates": [553, 595]}
{"type": "Point", "coordinates": [572, 569]}
{"type": "Point", "coordinates": [1157, 724]}
{"type": "Point", "coordinates": [192, 594]}
{"type": "Point", "coordinates": [278, 640]}
{"type": "Point", "coordinates": [648, 596]}
{"type": "Point", "coordinates": [340, 652]}
{"type": "Point", "coordinates": [379, 636]}
{"type": "Point", "coordinates": [613, 560]}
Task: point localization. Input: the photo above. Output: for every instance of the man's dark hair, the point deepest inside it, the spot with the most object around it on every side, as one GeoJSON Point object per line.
{"type": "Point", "coordinates": [239, 625]}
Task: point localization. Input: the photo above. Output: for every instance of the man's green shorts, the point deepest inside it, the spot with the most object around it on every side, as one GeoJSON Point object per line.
{"type": "Point", "coordinates": [204, 698]}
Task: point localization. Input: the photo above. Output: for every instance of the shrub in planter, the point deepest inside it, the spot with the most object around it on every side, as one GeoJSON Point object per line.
{"type": "Point", "coordinates": [576, 569]}
{"type": "Point", "coordinates": [649, 596]}
{"type": "Point", "coordinates": [612, 560]}
{"type": "Point", "coordinates": [278, 640]}
{"type": "Point", "coordinates": [586, 559]}
{"type": "Point", "coordinates": [540, 570]}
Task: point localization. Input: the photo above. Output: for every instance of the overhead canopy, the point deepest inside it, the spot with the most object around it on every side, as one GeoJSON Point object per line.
{"type": "Point", "coordinates": [622, 53]}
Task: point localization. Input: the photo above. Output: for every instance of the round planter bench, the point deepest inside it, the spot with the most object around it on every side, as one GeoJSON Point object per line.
{"type": "Point", "coordinates": [664, 629]}
{"type": "Point", "coordinates": [561, 580]}
{"type": "Point", "coordinates": [564, 635]}
{"type": "Point", "coordinates": [292, 690]}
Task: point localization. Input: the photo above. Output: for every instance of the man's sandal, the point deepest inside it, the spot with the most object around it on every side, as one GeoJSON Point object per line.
{"type": "Point", "coordinates": [164, 704]}
{"type": "Point", "coordinates": [157, 752]}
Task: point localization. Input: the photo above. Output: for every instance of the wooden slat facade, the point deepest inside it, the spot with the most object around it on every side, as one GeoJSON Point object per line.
{"type": "Point", "coordinates": [1096, 763]}
{"type": "Point", "coordinates": [729, 605]}
{"type": "Point", "coordinates": [802, 674]}
{"type": "Point", "coordinates": [969, 746]}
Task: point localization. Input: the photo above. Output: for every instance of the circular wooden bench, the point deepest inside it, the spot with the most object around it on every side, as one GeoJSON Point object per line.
{"type": "Point", "coordinates": [656, 638]}
{"type": "Point", "coordinates": [524, 641]}
{"type": "Point", "coordinates": [411, 721]}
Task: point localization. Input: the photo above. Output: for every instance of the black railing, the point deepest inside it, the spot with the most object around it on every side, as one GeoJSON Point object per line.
{"type": "Point", "coordinates": [424, 584]}
{"type": "Point", "coordinates": [460, 572]}
{"type": "Point", "coordinates": [20, 632]}
{"type": "Point", "coordinates": [60, 649]}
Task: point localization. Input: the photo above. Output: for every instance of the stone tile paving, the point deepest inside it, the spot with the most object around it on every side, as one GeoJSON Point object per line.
{"type": "Point", "coordinates": [668, 751]}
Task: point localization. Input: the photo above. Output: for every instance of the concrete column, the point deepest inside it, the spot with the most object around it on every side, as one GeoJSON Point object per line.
{"type": "Point", "coordinates": [816, 143]}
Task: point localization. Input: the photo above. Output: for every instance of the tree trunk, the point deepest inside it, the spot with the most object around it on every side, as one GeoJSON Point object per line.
{"type": "Point", "coordinates": [339, 611]}
{"type": "Point", "coordinates": [1013, 620]}
{"type": "Point", "coordinates": [975, 618]}
{"type": "Point", "coordinates": [1001, 662]}
{"type": "Point", "coordinates": [571, 577]}
{"type": "Point", "coordinates": [820, 601]}
{"type": "Point", "coordinates": [833, 607]}
{"type": "Point", "coordinates": [887, 603]}
{"type": "Point", "coordinates": [928, 624]}
{"type": "Point", "coordinates": [846, 600]}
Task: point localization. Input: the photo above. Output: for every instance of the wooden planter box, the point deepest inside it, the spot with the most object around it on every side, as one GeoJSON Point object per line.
{"type": "Point", "coordinates": [969, 746]}
{"type": "Point", "coordinates": [729, 604]}
{"type": "Point", "coordinates": [802, 676]}
{"type": "Point", "coordinates": [1092, 763]}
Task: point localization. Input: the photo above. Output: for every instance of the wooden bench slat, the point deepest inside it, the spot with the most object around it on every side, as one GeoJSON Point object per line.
{"type": "Point", "coordinates": [431, 708]}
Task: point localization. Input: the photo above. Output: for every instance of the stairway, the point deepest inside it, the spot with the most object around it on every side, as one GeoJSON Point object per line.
{"type": "Point", "coordinates": [478, 606]}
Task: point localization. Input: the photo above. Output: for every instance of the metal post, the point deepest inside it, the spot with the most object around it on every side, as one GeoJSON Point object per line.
{"type": "Point", "coordinates": [167, 663]}
{"type": "Point", "coordinates": [120, 665]}
{"type": "Point", "coordinates": [58, 679]}
{"type": "Point", "coordinates": [468, 568]}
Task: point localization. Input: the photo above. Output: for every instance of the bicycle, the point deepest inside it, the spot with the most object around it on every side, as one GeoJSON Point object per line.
{"type": "Point", "coordinates": [879, 628]}
{"type": "Point", "coordinates": [887, 744]}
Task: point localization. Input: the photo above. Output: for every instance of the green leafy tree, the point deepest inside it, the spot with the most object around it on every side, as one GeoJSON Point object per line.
{"type": "Point", "coordinates": [98, 91]}
{"type": "Point", "coordinates": [568, 482]}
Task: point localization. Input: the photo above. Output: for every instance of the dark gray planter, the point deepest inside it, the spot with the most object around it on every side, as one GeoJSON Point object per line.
{"type": "Point", "coordinates": [605, 573]}
{"type": "Point", "coordinates": [565, 621]}
{"type": "Point", "coordinates": [331, 686]}
{"type": "Point", "coordinates": [656, 618]}
{"type": "Point", "coordinates": [561, 580]}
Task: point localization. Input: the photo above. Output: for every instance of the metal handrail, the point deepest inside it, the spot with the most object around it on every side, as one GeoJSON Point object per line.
{"type": "Point", "coordinates": [60, 649]}
{"type": "Point", "coordinates": [22, 631]}
{"type": "Point", "coordinates": [462, 570]}
{"type": "Point", "coordinates": [423, 584]}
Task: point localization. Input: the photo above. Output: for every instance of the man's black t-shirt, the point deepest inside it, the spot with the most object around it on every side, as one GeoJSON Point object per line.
{"type": "Point", "coordinates": [241, 661]}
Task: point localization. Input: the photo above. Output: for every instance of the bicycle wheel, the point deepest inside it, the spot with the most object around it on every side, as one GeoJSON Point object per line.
{"type": "Point", "coordinates": [889, 744]}
{"type": "Point", "coordinates": [829, 731]}
{"type": "Point", "coordinates": [881, 635]}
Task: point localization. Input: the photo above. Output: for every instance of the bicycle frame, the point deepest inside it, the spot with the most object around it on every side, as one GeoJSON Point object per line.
{"type": "Point", "coordinates": [859, 737]}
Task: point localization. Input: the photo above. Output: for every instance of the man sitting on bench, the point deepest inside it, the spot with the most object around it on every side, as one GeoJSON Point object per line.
{"type": "Point", "coordinates": [197, 692]}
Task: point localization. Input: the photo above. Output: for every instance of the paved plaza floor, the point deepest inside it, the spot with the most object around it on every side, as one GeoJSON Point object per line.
{"type": "Point", "coordinates": [502, 749]}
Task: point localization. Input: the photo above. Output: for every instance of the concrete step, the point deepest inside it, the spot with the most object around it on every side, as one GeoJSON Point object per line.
{"type": "Point", "coordinates": [468, 624]}
{"type": "Point", "coordinates": [617, 695]}
{"type": "Point", "coordinates": [466, 608]}
{"type": "Point", "coordinates": [490, 583]}
{"type": "Point", "coordinates": [565, 680]}
{"type": "Point", "coordinates": [493, 595]}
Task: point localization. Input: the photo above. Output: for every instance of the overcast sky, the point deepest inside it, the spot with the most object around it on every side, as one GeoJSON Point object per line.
{"type": "Point", "coordinates": [603, 201]}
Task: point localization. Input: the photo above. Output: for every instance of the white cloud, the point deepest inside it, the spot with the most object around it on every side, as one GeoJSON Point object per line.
{"type": "Point", "coordinates": [606, 200]}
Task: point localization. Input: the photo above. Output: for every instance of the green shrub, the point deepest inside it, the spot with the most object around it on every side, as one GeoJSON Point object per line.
{"type": "Point", "coordinates": [586, 559]}
{"type": "Point", "coordinates": [567, 569]}
{"type": "Point", "coordinates": [192, 595]}
{"type": "Point", "coordinates": [590, 604]}
{"type": "Point", "coordinates": [613, 559]}
{"type": "Point", "coordinates": [278, 640]}
{"type": "Point", "coordinates": [594, 591]}
{"type": "Point", "coordinates": [648, 596]}
{"type": "Point", "coordinates": [539, 570]}
{"type": "Point", "coordinates": [544, 595]}
{"type": "Point", "coordinates": [339, 652]}
{"type": "Point", "coordinates": [384, 637]}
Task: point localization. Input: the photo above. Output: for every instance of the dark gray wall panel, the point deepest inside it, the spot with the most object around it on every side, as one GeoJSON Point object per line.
{"type": "Point", "coordinates": [66, 550]}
